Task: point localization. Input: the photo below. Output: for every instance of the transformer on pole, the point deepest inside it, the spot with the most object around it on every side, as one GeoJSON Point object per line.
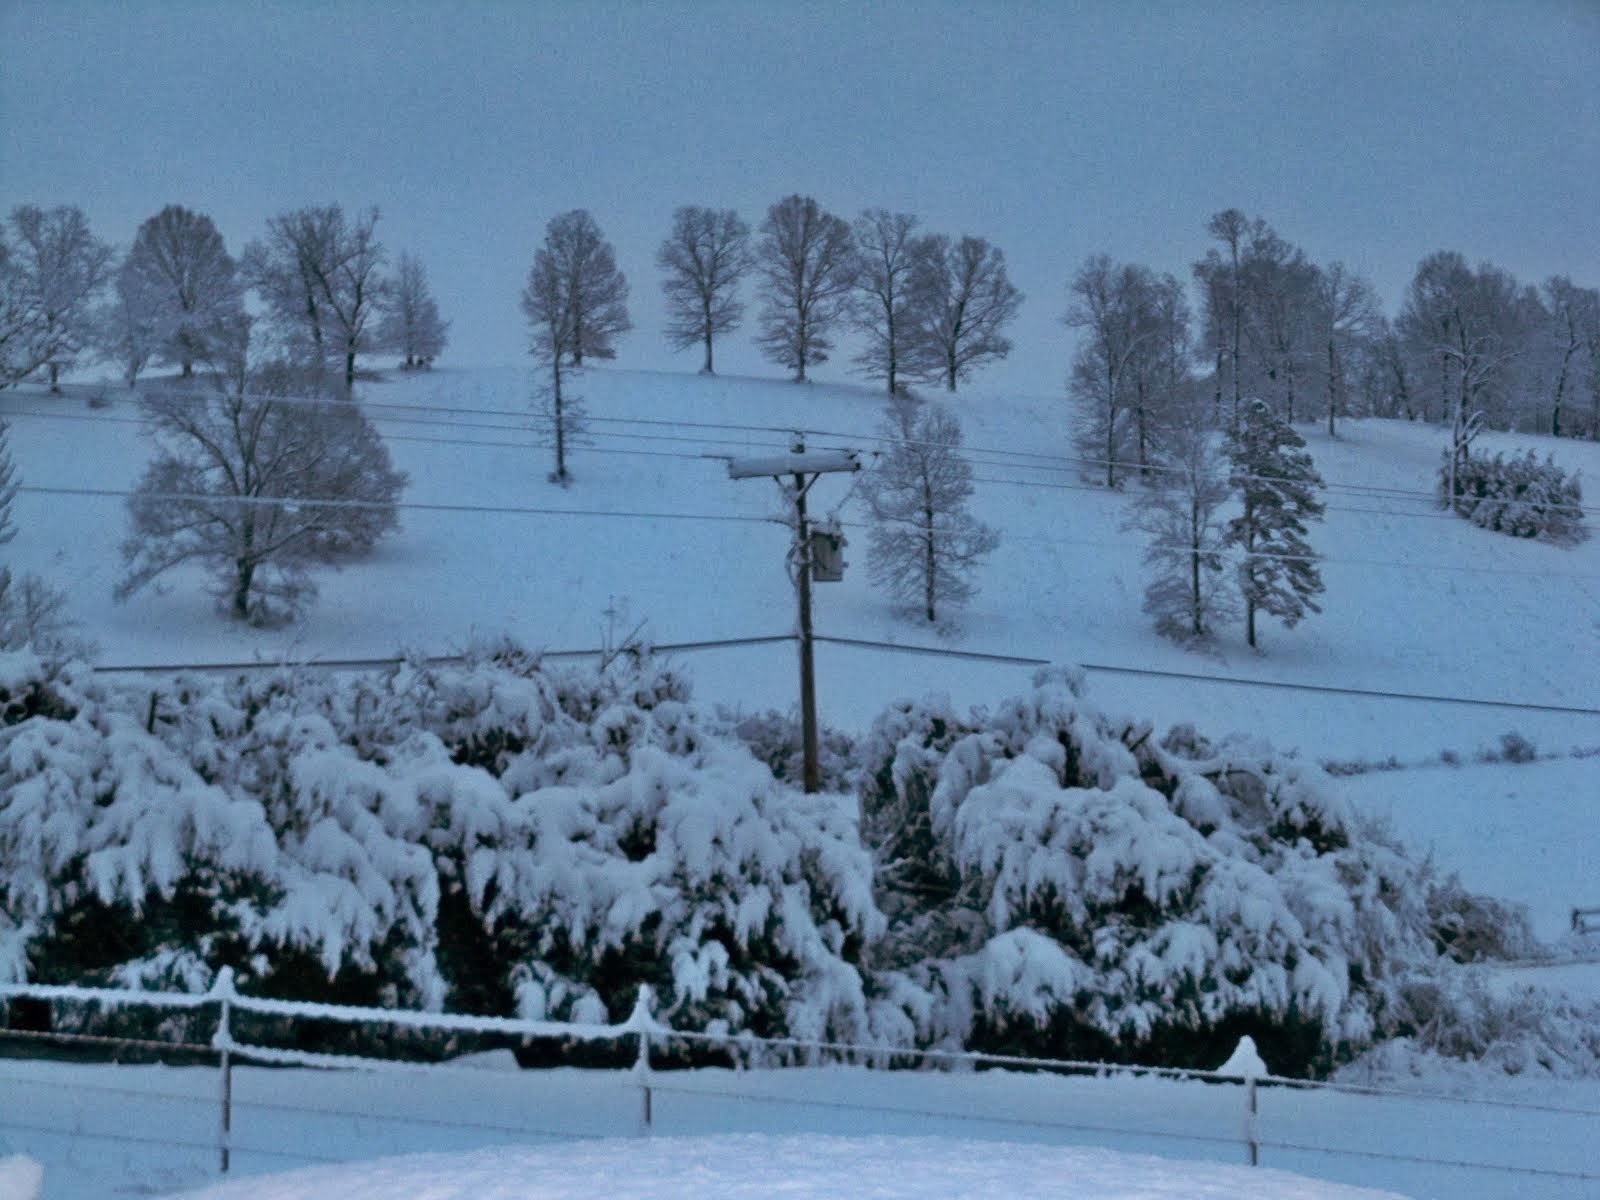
{"type": "Point", "coordinates": [804, 469]}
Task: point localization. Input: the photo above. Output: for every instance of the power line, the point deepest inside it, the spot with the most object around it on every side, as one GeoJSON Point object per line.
{"type": "Point", "coordinates": [222, 501]}
{"type": "Point", "coordinates": [983, 456]}
{"type": "Point", "coordinates": [1231, 680]}
{"type": "Point", "coordinates": [388, 663]}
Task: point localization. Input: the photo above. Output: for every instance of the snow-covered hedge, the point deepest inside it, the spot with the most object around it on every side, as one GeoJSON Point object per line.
{"type": "Point", "coordinates": [498, 837]}
{"type": "Point", "coordinates": [1064, 882]}
{"type": "Point", "coordinates": [493, 837]}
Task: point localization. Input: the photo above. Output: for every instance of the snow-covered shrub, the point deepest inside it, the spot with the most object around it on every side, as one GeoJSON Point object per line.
{"type": "Point", "coordinates": [1518, 495]}
{"type": "Point", "coordinates": [1458, 1013]}
{"type": "Point", "coordinates": [490, 836]}
{"type": "Point", "coordinates": [1131, 899]}
{"type": "Point", "coordinates": [775, 739]}
{"type": "Point", "coordinates": [1468, 927]}
{"type": "Point", "coordinates": [120, 864]}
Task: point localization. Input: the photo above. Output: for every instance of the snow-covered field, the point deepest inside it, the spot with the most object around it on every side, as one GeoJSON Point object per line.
{"type": "Point", "coordinates": [1418, 602]}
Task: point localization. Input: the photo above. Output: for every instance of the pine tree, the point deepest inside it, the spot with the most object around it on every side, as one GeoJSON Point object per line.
{"type": "Point", "coordinates": [924, 544]}
{"type": "Point", "coordinates": [1278, 484]}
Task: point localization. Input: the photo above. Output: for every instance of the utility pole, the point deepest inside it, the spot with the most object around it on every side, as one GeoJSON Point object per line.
{"type": "Point", "coordinates": [805, 469]}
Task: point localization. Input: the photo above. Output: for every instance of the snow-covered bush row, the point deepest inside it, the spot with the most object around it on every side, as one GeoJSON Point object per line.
{"type": "Point", "coordinates": [492, 837]}
{"type": "Point", "coordinates": [1518, 495]}
{"type": "Point", "coordinates": [1058, 880]}
{"type": "Point", "coordinates": [500, 837]}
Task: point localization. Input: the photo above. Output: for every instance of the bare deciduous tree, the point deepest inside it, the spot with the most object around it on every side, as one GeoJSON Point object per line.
{"type": "Point", "coordinates": [806, 264]}
{"type": "Point", "coordinates": [593, 292]}
{"type": "Point", "coordinates": [320, 276]}
{"type": "Point", "coordinates": [411, 325]}
{"type": "Point", "coordinates": [1348, 317]}
{"type": "Point", "coordinates": [702, 261]}
{"type": "Point", "coordinates": [887, 251]}
{"type": "Point", "coordinates": [21, 329]}
{"type": "Point", "coordinates": [61, 268]}
{"type": "Point", "coordinates": [180, 269]}
{"type": "Point", "coordinates": [576, 302]}
{"type": "Point", "coordinates": [1129, 371]}
{"type": "Point", "coordinates": [963, 299]}
{"type": "Point", "coordinates": [257, 484]}
{"type": "Point", "coordinates": [924, 545]}
{"type": "Point", "coordinates": [129, 334]}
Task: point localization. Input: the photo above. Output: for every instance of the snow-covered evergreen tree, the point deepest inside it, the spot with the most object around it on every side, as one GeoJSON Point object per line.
{"type": "Point", "coordinates": [925, 546]}
{"type": "Point", "coordinates": [1059, 880]}
{"type": "Point", "coordinates": [1189, 591]}
{"type": "Point", "coordinates": [1278, 485]}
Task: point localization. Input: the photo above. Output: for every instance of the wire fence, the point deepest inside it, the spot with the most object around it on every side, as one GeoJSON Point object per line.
{"type": "Point", "coordinates": [1250, 1114]}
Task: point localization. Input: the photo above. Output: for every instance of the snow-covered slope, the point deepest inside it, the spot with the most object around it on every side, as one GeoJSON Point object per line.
{"type": "Point", "coordinates": [652, 528]}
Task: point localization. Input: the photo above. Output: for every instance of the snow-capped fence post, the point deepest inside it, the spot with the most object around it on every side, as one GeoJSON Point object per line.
{"type": "Point", "coordinates": [222, 1040]}
{"type": "Point", "coordinates": [1245, 1063]}
{"type": "Point", "coordinates": [640, 1021]}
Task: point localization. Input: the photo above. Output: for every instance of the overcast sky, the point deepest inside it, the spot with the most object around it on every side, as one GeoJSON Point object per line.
{"type": "Point", "coordinates": [1374, 132]}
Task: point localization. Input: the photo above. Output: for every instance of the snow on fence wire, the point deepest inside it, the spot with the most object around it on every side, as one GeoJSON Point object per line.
{"type": "Point", "coordinates": [1243, 1071]}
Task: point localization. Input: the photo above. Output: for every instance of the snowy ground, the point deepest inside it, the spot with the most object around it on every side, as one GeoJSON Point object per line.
{"type": "Point", "coordinates": [1418, 602]}
{"type": "Point", "coordinates": [124, 1121]}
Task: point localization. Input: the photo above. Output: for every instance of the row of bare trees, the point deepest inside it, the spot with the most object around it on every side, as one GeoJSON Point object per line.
{"type": "Point", "coordinates": [926, 306]}
{"type": "Point", "coordinates": [1470, 347]}
{"type": "Point", "coordinates": [177, 297]}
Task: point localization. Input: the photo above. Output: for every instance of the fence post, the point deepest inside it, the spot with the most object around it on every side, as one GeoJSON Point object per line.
{"type": "Point", "coordinates": [1245, 1063]}
{"type": "Point", "coordinates": [1252, 1130]}
{"type": "Point", "coordinates": [640, 1020]}
{"type": "Point", "coordinates": [222, 1040]}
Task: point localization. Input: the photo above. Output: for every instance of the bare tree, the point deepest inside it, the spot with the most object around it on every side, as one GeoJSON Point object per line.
{"type": "Point", "coordinates": [1348, 318]}
{"type": "Point", "coordinates": [963, 299]}
{"type": "Point", "coordinates": [1220, 278]}
{"type": "Point", "coordinates": [179, 267]}
{"type": "Point", "coordinates": [291, 270]}
{"type": "Point", "coordinates": [257, 484]}
{"type": "Point", "coordinates": [806, 264]}
{"type": "Point", "coordinates": [22, 338]}
{"type": "Point", "coordinates": [593, 292]}
{"type": "Point", "coordinates": [411, 325]}
{"type": "Point", "coordinates": [1130, 330]}
{"type": "Point", "coordinates": [702, 261]}
{"type": "Point", "coordinates": [887, 251]}
{"type": "Point", "coordinates": [576, 302]}
{"type": "Point", "coordinates": [1569, 314]}
{"type": "Point", "coordinates": [62, 267]}
{"type": "Point", "coordinates": [924, 545]}
{"type": "Point", "coordinates": [320, 276]}
{"type": "Point", "coordinates": [128, 332]}
{"type": "Point", "coordinates": [1189, 591]}
{"type": "Point", "coordinates": [1464, 327]}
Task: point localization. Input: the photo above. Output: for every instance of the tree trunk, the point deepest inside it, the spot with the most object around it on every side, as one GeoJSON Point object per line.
{"type": "Point", "coordinates": [560, 419]}
{"type": "Point", "coordinates": [930, 556]}
{"type": "Point", "coordinates": [245, 571]}
{"type": "Point", "coordinates": [1195, 608]}
{"type": "Point", "coordinates": [1333, 388]}
{"type": "Point", "coordinates": [705, 325]}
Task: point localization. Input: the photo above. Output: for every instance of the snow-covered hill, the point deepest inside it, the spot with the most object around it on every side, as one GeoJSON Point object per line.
{"type": "Point", "coordinates": [654, 530]}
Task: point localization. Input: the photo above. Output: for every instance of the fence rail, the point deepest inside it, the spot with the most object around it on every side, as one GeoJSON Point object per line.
{"type": "Point", "coordinates": [647, 1033]}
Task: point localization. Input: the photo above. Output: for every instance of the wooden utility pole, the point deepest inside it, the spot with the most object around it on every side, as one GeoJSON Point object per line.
{"type": "Point", "coordinates": [805, 469]}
